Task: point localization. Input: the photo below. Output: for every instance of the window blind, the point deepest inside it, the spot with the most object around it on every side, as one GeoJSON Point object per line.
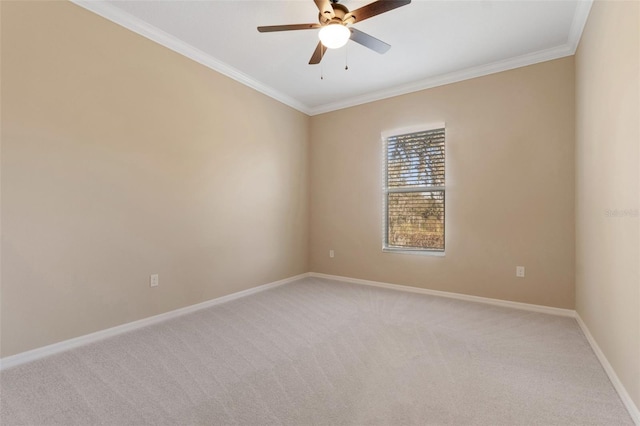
{"type": "Point", "coordinates": [415, 191]}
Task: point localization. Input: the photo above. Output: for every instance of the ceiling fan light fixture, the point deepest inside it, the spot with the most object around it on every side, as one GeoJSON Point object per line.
{"type": "Point", "coordinates": [334, 36]}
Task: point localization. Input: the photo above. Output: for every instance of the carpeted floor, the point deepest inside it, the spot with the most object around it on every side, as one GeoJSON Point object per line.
{"type": "Point", "coordinates": [324, 352]}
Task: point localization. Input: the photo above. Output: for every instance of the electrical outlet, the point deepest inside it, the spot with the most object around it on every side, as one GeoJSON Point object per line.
{"type": "Point", "coordinates": [520, 271]}
{"type": "Point", "coordinates": [331, 254]}
{"type": "Point", "coordinates": [154, 280]}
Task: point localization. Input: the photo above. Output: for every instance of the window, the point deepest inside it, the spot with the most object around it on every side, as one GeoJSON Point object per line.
{"type": "Point", "coordinates": [414, 191]}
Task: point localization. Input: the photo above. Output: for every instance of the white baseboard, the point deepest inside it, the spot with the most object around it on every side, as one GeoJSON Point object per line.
{"type": "Point", "coordinates": [617, 384]}
{"type": "Point", "coordinates": [34, 354]}
{"type": "Point", "coordinates": [497, 302]}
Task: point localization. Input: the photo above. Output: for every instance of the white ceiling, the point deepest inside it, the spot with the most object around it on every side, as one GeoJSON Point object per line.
{"type": "Point", "coordinates": [433, 43]}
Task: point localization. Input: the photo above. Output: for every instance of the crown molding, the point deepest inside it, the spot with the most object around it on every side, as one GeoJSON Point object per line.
{"type": "Point", "coordinates": [579, 21]}
{"type": "Point", "coordinates": [448, 78]}
{"type": "Point", "coordinates": [138, 26]}
{"type": "Point", "coordinates": [118, 16]}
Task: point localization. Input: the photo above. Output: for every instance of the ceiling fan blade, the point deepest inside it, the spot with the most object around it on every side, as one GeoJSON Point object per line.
{"type": "Point", "coordinates": [317, 54]}
{"type": "Point", "coordinates": [376, 8]}
{"type": "Point", "coordinates": [272, 28]}
{"type": "Point", "coordinates": [325, 8]}
{"type": "Point", "coordinates": [369, 41]}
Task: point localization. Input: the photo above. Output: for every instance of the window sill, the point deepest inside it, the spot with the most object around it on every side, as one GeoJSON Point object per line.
{"type": "Point", "coordinates": [418, 252]}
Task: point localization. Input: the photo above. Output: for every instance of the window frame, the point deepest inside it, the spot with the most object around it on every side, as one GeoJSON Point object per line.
{"type": "Point", "coordinates": [385, 135]}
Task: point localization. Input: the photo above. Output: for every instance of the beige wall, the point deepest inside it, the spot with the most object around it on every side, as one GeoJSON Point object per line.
{"type": "Point", "coordinates": [510, 187]}
{"type": "Point", "coordinates": [120, 159]}
{"type": "Point", "coordinates": [607, 180]}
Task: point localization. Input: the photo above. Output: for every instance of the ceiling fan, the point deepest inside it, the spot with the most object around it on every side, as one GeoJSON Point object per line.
{"type": "Point", "coordinates": [334, 23]}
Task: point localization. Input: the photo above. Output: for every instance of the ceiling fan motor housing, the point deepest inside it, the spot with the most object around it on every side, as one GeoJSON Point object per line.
{"type": "Point", "coordinates": [342, 16]}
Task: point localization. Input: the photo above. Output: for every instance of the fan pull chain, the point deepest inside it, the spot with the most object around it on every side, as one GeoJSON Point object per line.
{"type": "Point", "coordinates": [346, 57]}
{"type": "Point", "coordinates": [321, 67]}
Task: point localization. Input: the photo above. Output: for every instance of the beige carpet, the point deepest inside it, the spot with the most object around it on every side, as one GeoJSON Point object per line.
{"type": "Point", "coordinates": [323, 352]}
